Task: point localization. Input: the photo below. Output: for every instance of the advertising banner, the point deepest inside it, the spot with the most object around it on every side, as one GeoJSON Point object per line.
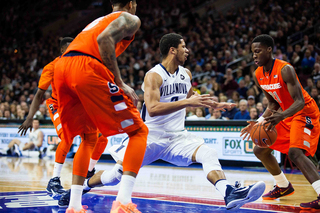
{"type": "Point", "coordinates": [225, 140]}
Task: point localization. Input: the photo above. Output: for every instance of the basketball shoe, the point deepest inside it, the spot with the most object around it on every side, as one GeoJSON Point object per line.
{"type": "Point", "coordinates": [54, 187]}
{"type": "Point", "coordinates": [90, 174]}
{"type": "Point", "coordinates": [118, 207]}
{"type": "Point", "coordinates": [72, 210]}
{"type": "Point", "coordinates": [237, 197]}
{"type": "Point", "coordinates": [311, 205]}
{"type": "Point", "coordinates": [278, 192]}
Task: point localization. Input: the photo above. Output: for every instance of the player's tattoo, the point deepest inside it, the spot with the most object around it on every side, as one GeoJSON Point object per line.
{"type": "Point", "coordinates": [125, 25]}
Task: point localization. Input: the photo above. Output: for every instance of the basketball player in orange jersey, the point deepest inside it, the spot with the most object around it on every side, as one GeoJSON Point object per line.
{"type": "Point", "coordinates": [293, 113]}
{"type": "Point", "coordinates": [92, 95]}
{"type": "Point", "coordinates": [54, 186]}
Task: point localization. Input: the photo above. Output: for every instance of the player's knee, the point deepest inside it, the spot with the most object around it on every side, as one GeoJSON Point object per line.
{"type": "Point", "coordinates": [294, 154]}
{"type": "Point", "coordinates": [208, 157]}
{"type": "Point", "coordinates": [144, 131]}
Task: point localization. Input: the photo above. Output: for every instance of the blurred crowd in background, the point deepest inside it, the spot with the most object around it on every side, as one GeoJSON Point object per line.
{"type": "Point", "coordinates": [220, 58]}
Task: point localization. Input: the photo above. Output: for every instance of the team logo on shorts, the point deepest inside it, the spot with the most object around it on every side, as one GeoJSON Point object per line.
{"type": "Point", "coordinates": [51, 107]}
{"type": "Point", "coordinates": [182, 77]}
{"type": "Point", "coordinates": [309, 124]}
{"type": "Point", "coordinates": [113, 88]}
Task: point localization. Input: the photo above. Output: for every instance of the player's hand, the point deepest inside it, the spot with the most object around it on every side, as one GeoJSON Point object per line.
{"type": "Point", "coordinates": [196, 93]}
{"type": "Point", "coordinates": [200, 101]}
{"type": "Point", "coordinates": [222, 105]}
{"type": "Point", "coordinates": [27, 124]}
{"type": "Point", "coordinates": [246, 131]}
{"type": "Point", "coordinates": [129, 92]}
{"type": "Point", "coordinates": [274, 119]}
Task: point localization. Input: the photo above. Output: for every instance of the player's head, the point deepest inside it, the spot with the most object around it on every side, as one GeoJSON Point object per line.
{"type": "Point", "coordinates": [128, 5]}
{"type": "Point", "coordinates": [35, 124]}
{"type": "Point", "coordinates": [64, 43]}
{"type": "Point", "coordinates": [262, 47]}
{"type": "Point", "coordinates": [173, 45]}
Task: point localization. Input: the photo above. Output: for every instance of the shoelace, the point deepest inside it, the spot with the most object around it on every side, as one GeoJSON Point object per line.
{"type": "Point", "coordinates": [132, 207]}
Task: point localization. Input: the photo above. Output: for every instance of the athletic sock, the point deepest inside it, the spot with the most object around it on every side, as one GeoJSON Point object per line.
{"type": "Point", "coordinates": [112, 177]}
{"type": "Point", "coordinates": [221, 186]}
{"type": "Point", "coordinates": [76, 197]}
{"type": "Point", "coordinates": [125, 190]}
{"type": "Point", "coordinates": [281, 180]}
{"type": "Point", "coordinates": [316, 186]}
{"type": "Point", "coordinates": [57, 169]}
{"type": "Point", "coordinates": [92, 164]}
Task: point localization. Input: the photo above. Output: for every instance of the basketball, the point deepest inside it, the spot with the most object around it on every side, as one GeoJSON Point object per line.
{"type": "Point", "coordinates": [261, 137]}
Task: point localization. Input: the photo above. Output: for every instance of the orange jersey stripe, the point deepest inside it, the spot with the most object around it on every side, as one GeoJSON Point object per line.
{"type": "Point", "coordinates": [276, 87]}
{"type": "Point", "coordinates": [46, 78]}
{"type": "Point", "coordinates": [86, 41]}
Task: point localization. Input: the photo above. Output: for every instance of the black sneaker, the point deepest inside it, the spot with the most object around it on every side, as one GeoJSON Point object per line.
{"type": "Point", "coordinates": [54, 187]}
{"type": "Point", "coordinates": [65, 198]}
{"type": "Point", "coordinates": [90, 174]}
{"type": "Point", "coordinates": [237, 197]}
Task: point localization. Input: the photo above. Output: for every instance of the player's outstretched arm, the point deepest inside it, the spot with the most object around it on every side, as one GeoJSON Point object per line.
{"type": "Point", "coordinates": [27, 124]}
{"type": "Point", "coordinates": [152, 83]}
{"type": "Point", "coordinates": [126, 25]}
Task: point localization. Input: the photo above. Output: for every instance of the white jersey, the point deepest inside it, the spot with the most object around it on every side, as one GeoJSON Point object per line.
{"type": "Point", "coordinates": [175, 87]}
{"type": "Point", "coordinates": [33, 136]}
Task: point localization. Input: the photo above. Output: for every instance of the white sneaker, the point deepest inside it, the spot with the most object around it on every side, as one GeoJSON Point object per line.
{"type": "Point", "coordinates": [16, 151]}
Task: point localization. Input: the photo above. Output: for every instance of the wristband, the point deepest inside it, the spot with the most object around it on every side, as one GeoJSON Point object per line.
{"type": "Point", "coordinates": [261, 119]}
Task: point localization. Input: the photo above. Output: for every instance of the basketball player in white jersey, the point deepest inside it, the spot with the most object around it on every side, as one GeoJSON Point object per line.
{"type": "Point", "coordinates": [168, 92]}
{"type": "Point", "coordinates": [35, 140]}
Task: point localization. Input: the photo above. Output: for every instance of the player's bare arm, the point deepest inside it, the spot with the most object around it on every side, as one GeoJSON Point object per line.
{"type": "Point", "coordinates": [216, 105]}
{"type": "Point", "coordinates": [289, 77]}
{"type": "Point", "coordinates": [27, 124]}
{"type": "Point", "coordinates": [126, 25]}
{"type": "Point", "coordinates": [152, 83]}
{"type": "Point", "coordinates": [272, 106]}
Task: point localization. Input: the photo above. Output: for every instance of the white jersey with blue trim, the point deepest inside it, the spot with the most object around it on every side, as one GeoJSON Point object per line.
{"type": "Point", "coordinates": [175, 87]}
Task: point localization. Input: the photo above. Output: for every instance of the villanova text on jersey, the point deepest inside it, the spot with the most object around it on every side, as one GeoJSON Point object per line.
{"type": "Point", "coordinates": [174, 88]}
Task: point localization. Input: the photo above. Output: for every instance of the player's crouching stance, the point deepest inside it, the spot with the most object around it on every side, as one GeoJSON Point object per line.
{"type": "Point", "coordinates": [168, 91]}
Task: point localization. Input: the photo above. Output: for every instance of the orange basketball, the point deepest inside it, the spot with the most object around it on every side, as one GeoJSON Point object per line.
{"type": "Point", "coordinates": [261, 137]}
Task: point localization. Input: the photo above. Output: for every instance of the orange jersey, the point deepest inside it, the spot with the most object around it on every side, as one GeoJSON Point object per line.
{"type": "Point", "coordinates": [86, 41]}
{"type": "Point", "coordinates": [274, 85]}
{"type": "Point", "coordinates": [47, 78]}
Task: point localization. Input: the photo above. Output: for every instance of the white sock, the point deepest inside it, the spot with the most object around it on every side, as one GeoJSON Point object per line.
{"type": "Point", "coordinates": [57, 169]}
{"type": "Point", "coordinates": [92, 164]}
{"type": "Point", "coordinates": [112, 177]}
{"type": "Point", "coordinates": [221, 186]}
{"type": "Point", "coordinates": [316, 186]}
{"type": "Point", "coordinates": [125, 190]}
{"type": "Point", "coordinates": [281, 180]}
{"type": "Point", "coordinates": [76, 197]}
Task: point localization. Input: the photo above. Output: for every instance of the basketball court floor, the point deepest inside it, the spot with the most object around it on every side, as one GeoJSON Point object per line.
{"type": "Point", "coordinates": [158, 188]}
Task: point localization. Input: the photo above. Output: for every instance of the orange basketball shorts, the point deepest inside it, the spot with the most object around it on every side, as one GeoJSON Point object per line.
{"type": "Point", "coordinates": [52, 105]}
{"type": "Point", "coordinates": [300, 131]}
{"type": "Point", "coordinates": [89, 99]}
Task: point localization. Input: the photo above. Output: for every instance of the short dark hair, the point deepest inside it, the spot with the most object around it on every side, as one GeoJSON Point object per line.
{"type": "Point", "coordinates": [122, 3]}
{"type": "Point", "coordinates": [65, 40]}
{"type": "Point", "coordinates": [167, 41]}
{"type": "Point", "coordinates": [265, 40]}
